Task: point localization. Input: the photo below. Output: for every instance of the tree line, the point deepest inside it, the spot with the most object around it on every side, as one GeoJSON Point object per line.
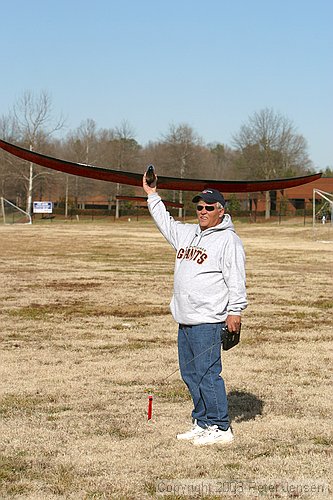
{"type": "Point", "coordinates": [267, 146]}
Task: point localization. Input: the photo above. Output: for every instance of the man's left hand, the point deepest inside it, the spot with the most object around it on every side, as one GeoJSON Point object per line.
{"type": "Point", "coordinates": [233, 323]}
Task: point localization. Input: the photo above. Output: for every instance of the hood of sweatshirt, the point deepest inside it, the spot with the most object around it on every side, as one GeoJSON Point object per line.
{"type": "Point", "coordinates": [226, 223]}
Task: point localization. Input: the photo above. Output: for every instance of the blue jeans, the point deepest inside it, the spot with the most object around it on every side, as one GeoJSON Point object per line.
{"type": "Point", "coordinates": [202, 374]}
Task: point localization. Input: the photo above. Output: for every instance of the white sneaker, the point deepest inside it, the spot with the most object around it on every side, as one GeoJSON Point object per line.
{"type": "Point", "coordinates": [195, 432]}
{"type": "Point", "coordinates": [214, 435]}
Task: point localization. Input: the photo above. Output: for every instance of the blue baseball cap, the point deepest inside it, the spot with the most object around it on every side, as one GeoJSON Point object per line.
{"type": "Point", "coordinates": [210, 196]}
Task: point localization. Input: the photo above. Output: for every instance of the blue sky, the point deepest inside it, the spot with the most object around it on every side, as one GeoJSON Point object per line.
{"type": "Point", "coordinates": [208, 63]}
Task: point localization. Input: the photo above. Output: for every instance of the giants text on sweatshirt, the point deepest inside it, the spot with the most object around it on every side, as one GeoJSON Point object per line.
{"type": "Point", "coordinates": [209, 277]}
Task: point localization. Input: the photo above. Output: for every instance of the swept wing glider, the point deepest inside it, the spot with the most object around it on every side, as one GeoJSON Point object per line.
{"type": "Point", "coordinates": [134, 179]}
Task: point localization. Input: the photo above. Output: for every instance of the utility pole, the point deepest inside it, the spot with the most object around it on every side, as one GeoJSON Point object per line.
{"type": "Point", "coordinates": [31, 173]}
{"type": "Point", "coordinates": [117, 202]}
{"type": "Point", "coordinates": [66, 198]}
{"type": "Point", "coordinates": [3, 210]}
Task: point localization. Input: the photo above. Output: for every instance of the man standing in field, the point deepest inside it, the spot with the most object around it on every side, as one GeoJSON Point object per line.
{"type": "Point", "coordinates": [209, 294]}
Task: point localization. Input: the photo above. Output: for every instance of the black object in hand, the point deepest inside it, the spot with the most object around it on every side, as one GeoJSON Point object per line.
{"type": "Point", "coordinates": [150, 175]}
{"type": "Point", "coordinates": [229, 339]}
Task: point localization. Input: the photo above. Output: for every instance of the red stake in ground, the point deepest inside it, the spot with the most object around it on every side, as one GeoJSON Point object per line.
{"type": "Point", "coordinates": [150, 407]}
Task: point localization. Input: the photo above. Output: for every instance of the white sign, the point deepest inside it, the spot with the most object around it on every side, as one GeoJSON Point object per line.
{"type": "Point", "coordinates": [43, 207]}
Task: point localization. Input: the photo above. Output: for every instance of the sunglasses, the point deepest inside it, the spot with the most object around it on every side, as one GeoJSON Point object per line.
{"type": "Point", "coordinates": [209, 208]}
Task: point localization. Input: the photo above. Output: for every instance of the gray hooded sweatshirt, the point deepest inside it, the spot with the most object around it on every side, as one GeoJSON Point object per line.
{"type": "Point", "coordinates": [209, 277]}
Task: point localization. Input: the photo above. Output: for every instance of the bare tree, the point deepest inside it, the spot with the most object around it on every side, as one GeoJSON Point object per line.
{"type": "Point", "coordinates": [223, 161]}
{"type": "Point", "coordinates": [269, 147]}
{"type": "Point", "coordinates": [8, 132]}
{"type": "Point", "coordinates": [81, 146]}
{"type": "Point", "coordinates": [125, 148]}
{"type": "Point", "coordinates": [124, 151]}
{"type": "Point", "coordinates": [182, 147]}
{"type": "Point", "coordinates": [114, 147]}
{"type": "Point", "coordinates": [32, 115]}
{"type": "Point", "coordinates": [83, 142]}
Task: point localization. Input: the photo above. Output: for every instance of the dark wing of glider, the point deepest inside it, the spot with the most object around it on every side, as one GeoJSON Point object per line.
{"type": "Point", "coordinates": [134, 179]}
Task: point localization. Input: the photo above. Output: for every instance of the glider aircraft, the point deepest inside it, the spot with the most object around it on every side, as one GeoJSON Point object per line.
{"type": "Point", "coordinates": [134, 179]}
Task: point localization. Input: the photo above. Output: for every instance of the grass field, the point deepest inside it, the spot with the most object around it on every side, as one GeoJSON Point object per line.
{"type": "Point", "coordinates": [86, 335]}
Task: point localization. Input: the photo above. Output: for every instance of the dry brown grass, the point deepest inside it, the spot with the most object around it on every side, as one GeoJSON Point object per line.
{"type": "Point", "coordinates": [86, 335]}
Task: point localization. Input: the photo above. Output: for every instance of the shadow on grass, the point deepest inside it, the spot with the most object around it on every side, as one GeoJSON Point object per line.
{"type": "Point", "coordinates": [244, 406]}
